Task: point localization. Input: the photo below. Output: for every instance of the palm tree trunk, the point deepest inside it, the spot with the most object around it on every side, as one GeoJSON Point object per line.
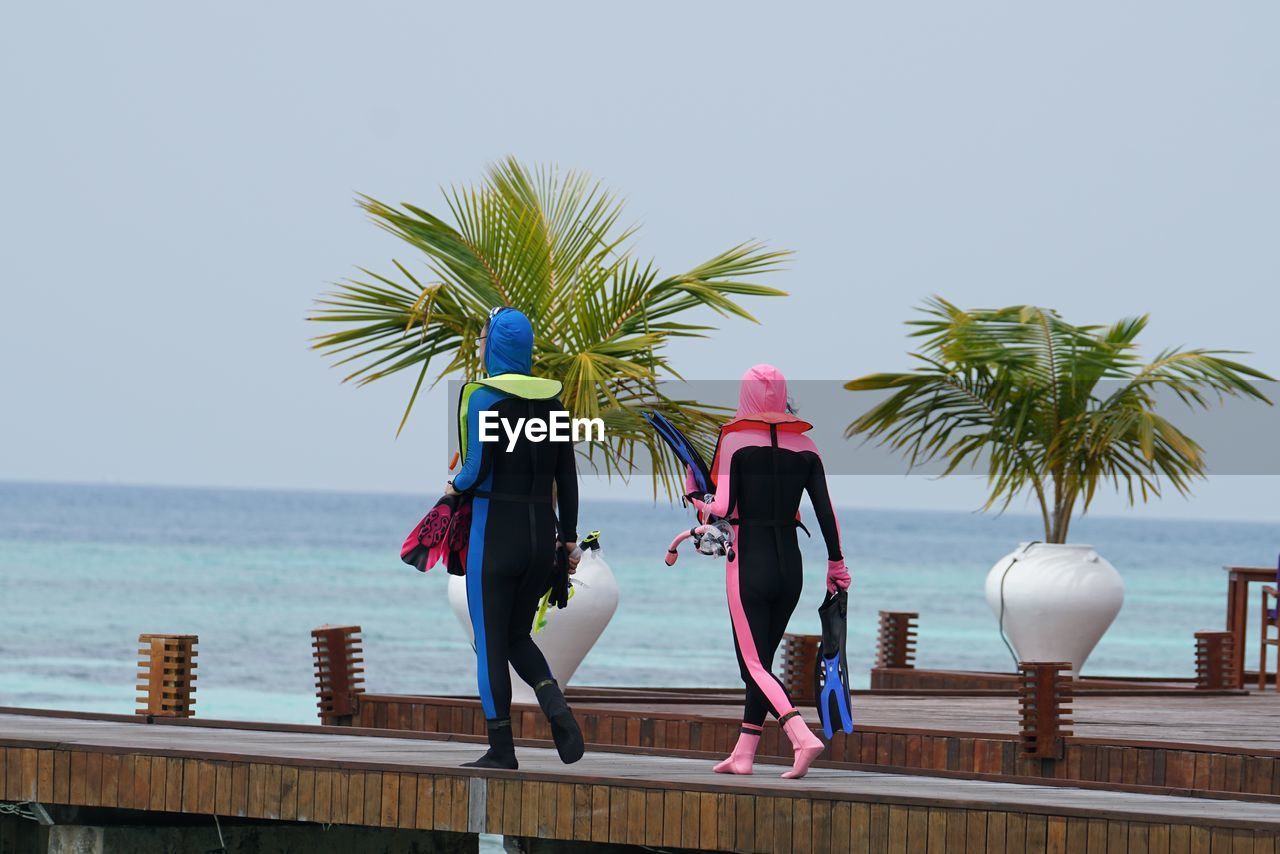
{"type": "Point", "coordinates": [1063, 501]}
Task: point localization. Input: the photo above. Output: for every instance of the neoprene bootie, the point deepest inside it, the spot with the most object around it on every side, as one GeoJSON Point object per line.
{"type": "Point", "coordinates": [502, 748]}
{"type": "Point", "coordinates": [564, 727]}
{"type": "Point", "coordinates": [744, 752]}
{"type": "Point", "coordinates": [806, 745]}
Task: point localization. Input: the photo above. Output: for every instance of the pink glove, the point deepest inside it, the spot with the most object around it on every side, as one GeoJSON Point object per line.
{"type": "Point", "coordinates": [837, 576]}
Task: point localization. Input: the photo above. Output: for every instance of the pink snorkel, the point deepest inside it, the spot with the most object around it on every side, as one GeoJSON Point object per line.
{"type": "Point", "coordinates": [713, 540]}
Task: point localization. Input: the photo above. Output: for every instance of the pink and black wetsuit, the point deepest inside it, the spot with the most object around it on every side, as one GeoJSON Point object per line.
{"type": "Point", "coordinates": [763, 465]}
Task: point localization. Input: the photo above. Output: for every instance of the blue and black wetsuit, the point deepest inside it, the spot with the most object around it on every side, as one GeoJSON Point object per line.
{"type": "Point", "coordinates": [514, 528]}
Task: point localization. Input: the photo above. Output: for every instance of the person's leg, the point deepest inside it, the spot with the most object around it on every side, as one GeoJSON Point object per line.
{"type": "Point", "coordinates": [807, 746]}
{"type": "Point", "coordinates": [526, 659]}
{"type": "Point", "coordinates": [489, 604]}
{"type": "Point", "coordinates": [756, 707]}
{"type": "Point", "coordinates": [751, 587]}
{"type": "Point", "coordinates": [761, 590]}
{"type": "Point", "coordinates": [529, 662]}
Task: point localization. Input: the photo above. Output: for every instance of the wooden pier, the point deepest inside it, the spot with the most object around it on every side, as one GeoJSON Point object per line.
{"type": "Point", "coordinates": [1181, 742]}
{"type": "Point", "coordinates": [616, 795]}
{"type": "Point", "coordinates": [940, 761]}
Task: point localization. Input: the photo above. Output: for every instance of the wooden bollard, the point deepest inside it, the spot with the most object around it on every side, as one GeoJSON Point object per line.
{"type": "Point", "coordinates": [166, 675]}
{"type": "Point", "coordinates": [896, 646]}
{"type": "Point", "coordinates": [338, 675]}
{"type": "Point", "coordinates": [1215, 668]}
{"type": "Point", "coordinates": [799, 663]}
{"type": "Point", "coordinates": [1044, 698]}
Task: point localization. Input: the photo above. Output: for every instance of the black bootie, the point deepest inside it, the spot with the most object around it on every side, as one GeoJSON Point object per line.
{"type": "Point", "coordinates": [564, 727]}
{"type": "Point", "coordinates": [502, 748]}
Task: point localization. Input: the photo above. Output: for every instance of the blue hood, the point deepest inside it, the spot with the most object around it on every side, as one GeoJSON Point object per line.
{"type": "Point", "coordinates": [509, 347]}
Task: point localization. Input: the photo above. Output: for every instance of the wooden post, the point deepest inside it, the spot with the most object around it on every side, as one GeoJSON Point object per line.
{"type": "Point", "coordinates": [896, 646]}
{"type": "Point", "coordinates": [1215, 661]}
{"type": "Point", "coordinates": [338, 677]}
{"type": "Point", "coordinates": [166, 677]}
{"type": "Point", "coordinates": [799, 660]}
{"type": "Point", "coordinates": [1044, 696]}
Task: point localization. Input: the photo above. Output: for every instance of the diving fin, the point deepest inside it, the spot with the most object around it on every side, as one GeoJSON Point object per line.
{"type": "Point", "coordinates": [683, 449]}
{"type": "Point", "coordinates": [831, 671]}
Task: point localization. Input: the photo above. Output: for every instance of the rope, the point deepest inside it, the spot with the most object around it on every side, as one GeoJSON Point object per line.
{"type": "Point", "coordinates": [1003, 636]}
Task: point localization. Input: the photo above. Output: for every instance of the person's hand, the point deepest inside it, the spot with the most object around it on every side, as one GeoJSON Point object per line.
{"type": "Point", "coordinates": [449, 490]}
{"type": "Point", "coordinates": [837, 576]}
{"type": "Point", "coordinates": [571, 549]}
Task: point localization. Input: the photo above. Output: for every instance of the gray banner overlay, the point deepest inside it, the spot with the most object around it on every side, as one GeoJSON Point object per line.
{"type": "Point", "coordinates": [1238, 436]}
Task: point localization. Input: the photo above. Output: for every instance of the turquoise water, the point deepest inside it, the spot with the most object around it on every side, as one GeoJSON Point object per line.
{"type": "Point", "coordinates": [86, 569]}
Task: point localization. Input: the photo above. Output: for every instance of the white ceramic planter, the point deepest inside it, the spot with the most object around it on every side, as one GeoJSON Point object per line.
{"type": "Point", "coordinates": [570, 632]}
{"type": "Point", "coordinates": [1059, 600]}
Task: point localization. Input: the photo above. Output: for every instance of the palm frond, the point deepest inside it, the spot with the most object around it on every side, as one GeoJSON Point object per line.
{"type": "Point", "coordinates": [551, 244]}
{"type": "Point", "coordinates": [1020, 390]}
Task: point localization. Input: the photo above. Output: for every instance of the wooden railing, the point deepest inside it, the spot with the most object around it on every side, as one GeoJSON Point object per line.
{"type": "Point", "coordinates": [1215, 661]}
{"type": "Point", "coordinates": [1044, 697]}
{"type": "Point", "coordinates": [166, 675]}
{"type": "Point", "coordinates": [896, 646]}
{"type": "Point", "coordinates": [339, 679]}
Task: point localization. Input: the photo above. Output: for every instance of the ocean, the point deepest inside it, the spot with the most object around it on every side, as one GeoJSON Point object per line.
{"type": "Point", "coordinates": [85, 569]}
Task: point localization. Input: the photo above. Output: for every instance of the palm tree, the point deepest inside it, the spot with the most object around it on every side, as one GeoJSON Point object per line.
{"type": "Point", "coordinates": [549, 244]}
{"type": "Point", "coordinates": [1054, 408]}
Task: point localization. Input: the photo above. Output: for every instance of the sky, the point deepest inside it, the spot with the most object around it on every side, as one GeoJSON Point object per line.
{"type": "Point", "coordinates": [179, 185]}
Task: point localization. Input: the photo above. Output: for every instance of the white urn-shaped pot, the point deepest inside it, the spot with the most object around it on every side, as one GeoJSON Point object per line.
{"type": "Point", "coordinates": [566, 634]}
{"type": "Point", "coordinates": [1054, 601]}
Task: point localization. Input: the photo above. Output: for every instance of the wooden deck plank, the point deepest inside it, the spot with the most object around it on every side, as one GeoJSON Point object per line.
{"type": "Point", "coordinates": [124, 782]}
{"type": "Point", "coordinates": [306, 797]}
{"type": "Point", "coordinates": [801, 826]}
{"type": "Point", "coordinates": [256, 806]}
{"type": "Point", "coordinates": [407, 804]}
{"type": "Point", "coordinates": [424, 811]}
{"type": "Point", "coordinates": [653, 823]}
{"type": "Point", "coordinates": [708, 821]}
{"type": "Point", "coordinates": [62, 777]}
{"type": "Point", "coordinates": [1015, 834]}
{"type": "Point", "coordinates": [582, 813]}
{"type": "Point", "coordinates": [44, 775]}
{"type": "Point", "coordinates": [600, 814]}
{"type": "Point", "coordinates": [173, 783]}
{"type": "Point", "coordinates": [373, 800]}
{"type": "Point", "coordinates": [322, 810]}
{"type": "Point", "coordinates": [93, 780]}
{"type": "Point", "coordinates": [159, 781]}
{"type": "Point", "coordinates": [763, 831]}
{"type": "Point", "coordinates": [239, 789]}
{"type": "Point", "coordinates": [288, 793]}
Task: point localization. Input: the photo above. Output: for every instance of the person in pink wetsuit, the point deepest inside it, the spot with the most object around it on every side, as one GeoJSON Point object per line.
{"type": "Point", "coordinates": [764, 463]}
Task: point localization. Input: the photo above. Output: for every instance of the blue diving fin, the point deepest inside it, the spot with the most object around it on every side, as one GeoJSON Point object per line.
{"type": "Point", "coordinates": [683, 449]}
{"type": "Point", "coordinates": [831, 673]}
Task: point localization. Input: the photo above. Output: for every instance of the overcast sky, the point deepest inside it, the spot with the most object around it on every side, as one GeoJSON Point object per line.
{"type": "Point", "coordinates": [178, 185]}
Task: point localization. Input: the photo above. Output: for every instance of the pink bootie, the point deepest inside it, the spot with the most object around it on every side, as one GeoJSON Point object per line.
{"type": "Point", "coordinates": [744, 752]}
{"type": "Point", "coordinates": [806, 745]}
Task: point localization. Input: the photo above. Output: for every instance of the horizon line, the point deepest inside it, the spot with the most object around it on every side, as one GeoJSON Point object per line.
{"type": "Point", "coordinates": [389, 493]}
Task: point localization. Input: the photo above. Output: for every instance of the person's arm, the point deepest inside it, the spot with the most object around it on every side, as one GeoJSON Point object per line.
{"type": "Point", "coordinates": [822, 509]}
{"type": "Point", "coordinates": [719, 506]}
{"type": "Point", "coordinates": [837, 573]}
{"type": "Point", "coordinates": [469, 475]}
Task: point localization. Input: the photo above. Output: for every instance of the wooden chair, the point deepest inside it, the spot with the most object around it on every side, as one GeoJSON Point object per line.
{"type": "Point", "coordinates": [1270, 620]}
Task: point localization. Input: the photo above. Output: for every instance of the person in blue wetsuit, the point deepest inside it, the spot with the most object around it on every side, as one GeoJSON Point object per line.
{"type": "Point", "coordinates": [514, 531]}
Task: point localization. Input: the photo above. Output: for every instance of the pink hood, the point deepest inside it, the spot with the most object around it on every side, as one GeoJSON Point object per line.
{"type": "Point", "coordinates": [762, 397]}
